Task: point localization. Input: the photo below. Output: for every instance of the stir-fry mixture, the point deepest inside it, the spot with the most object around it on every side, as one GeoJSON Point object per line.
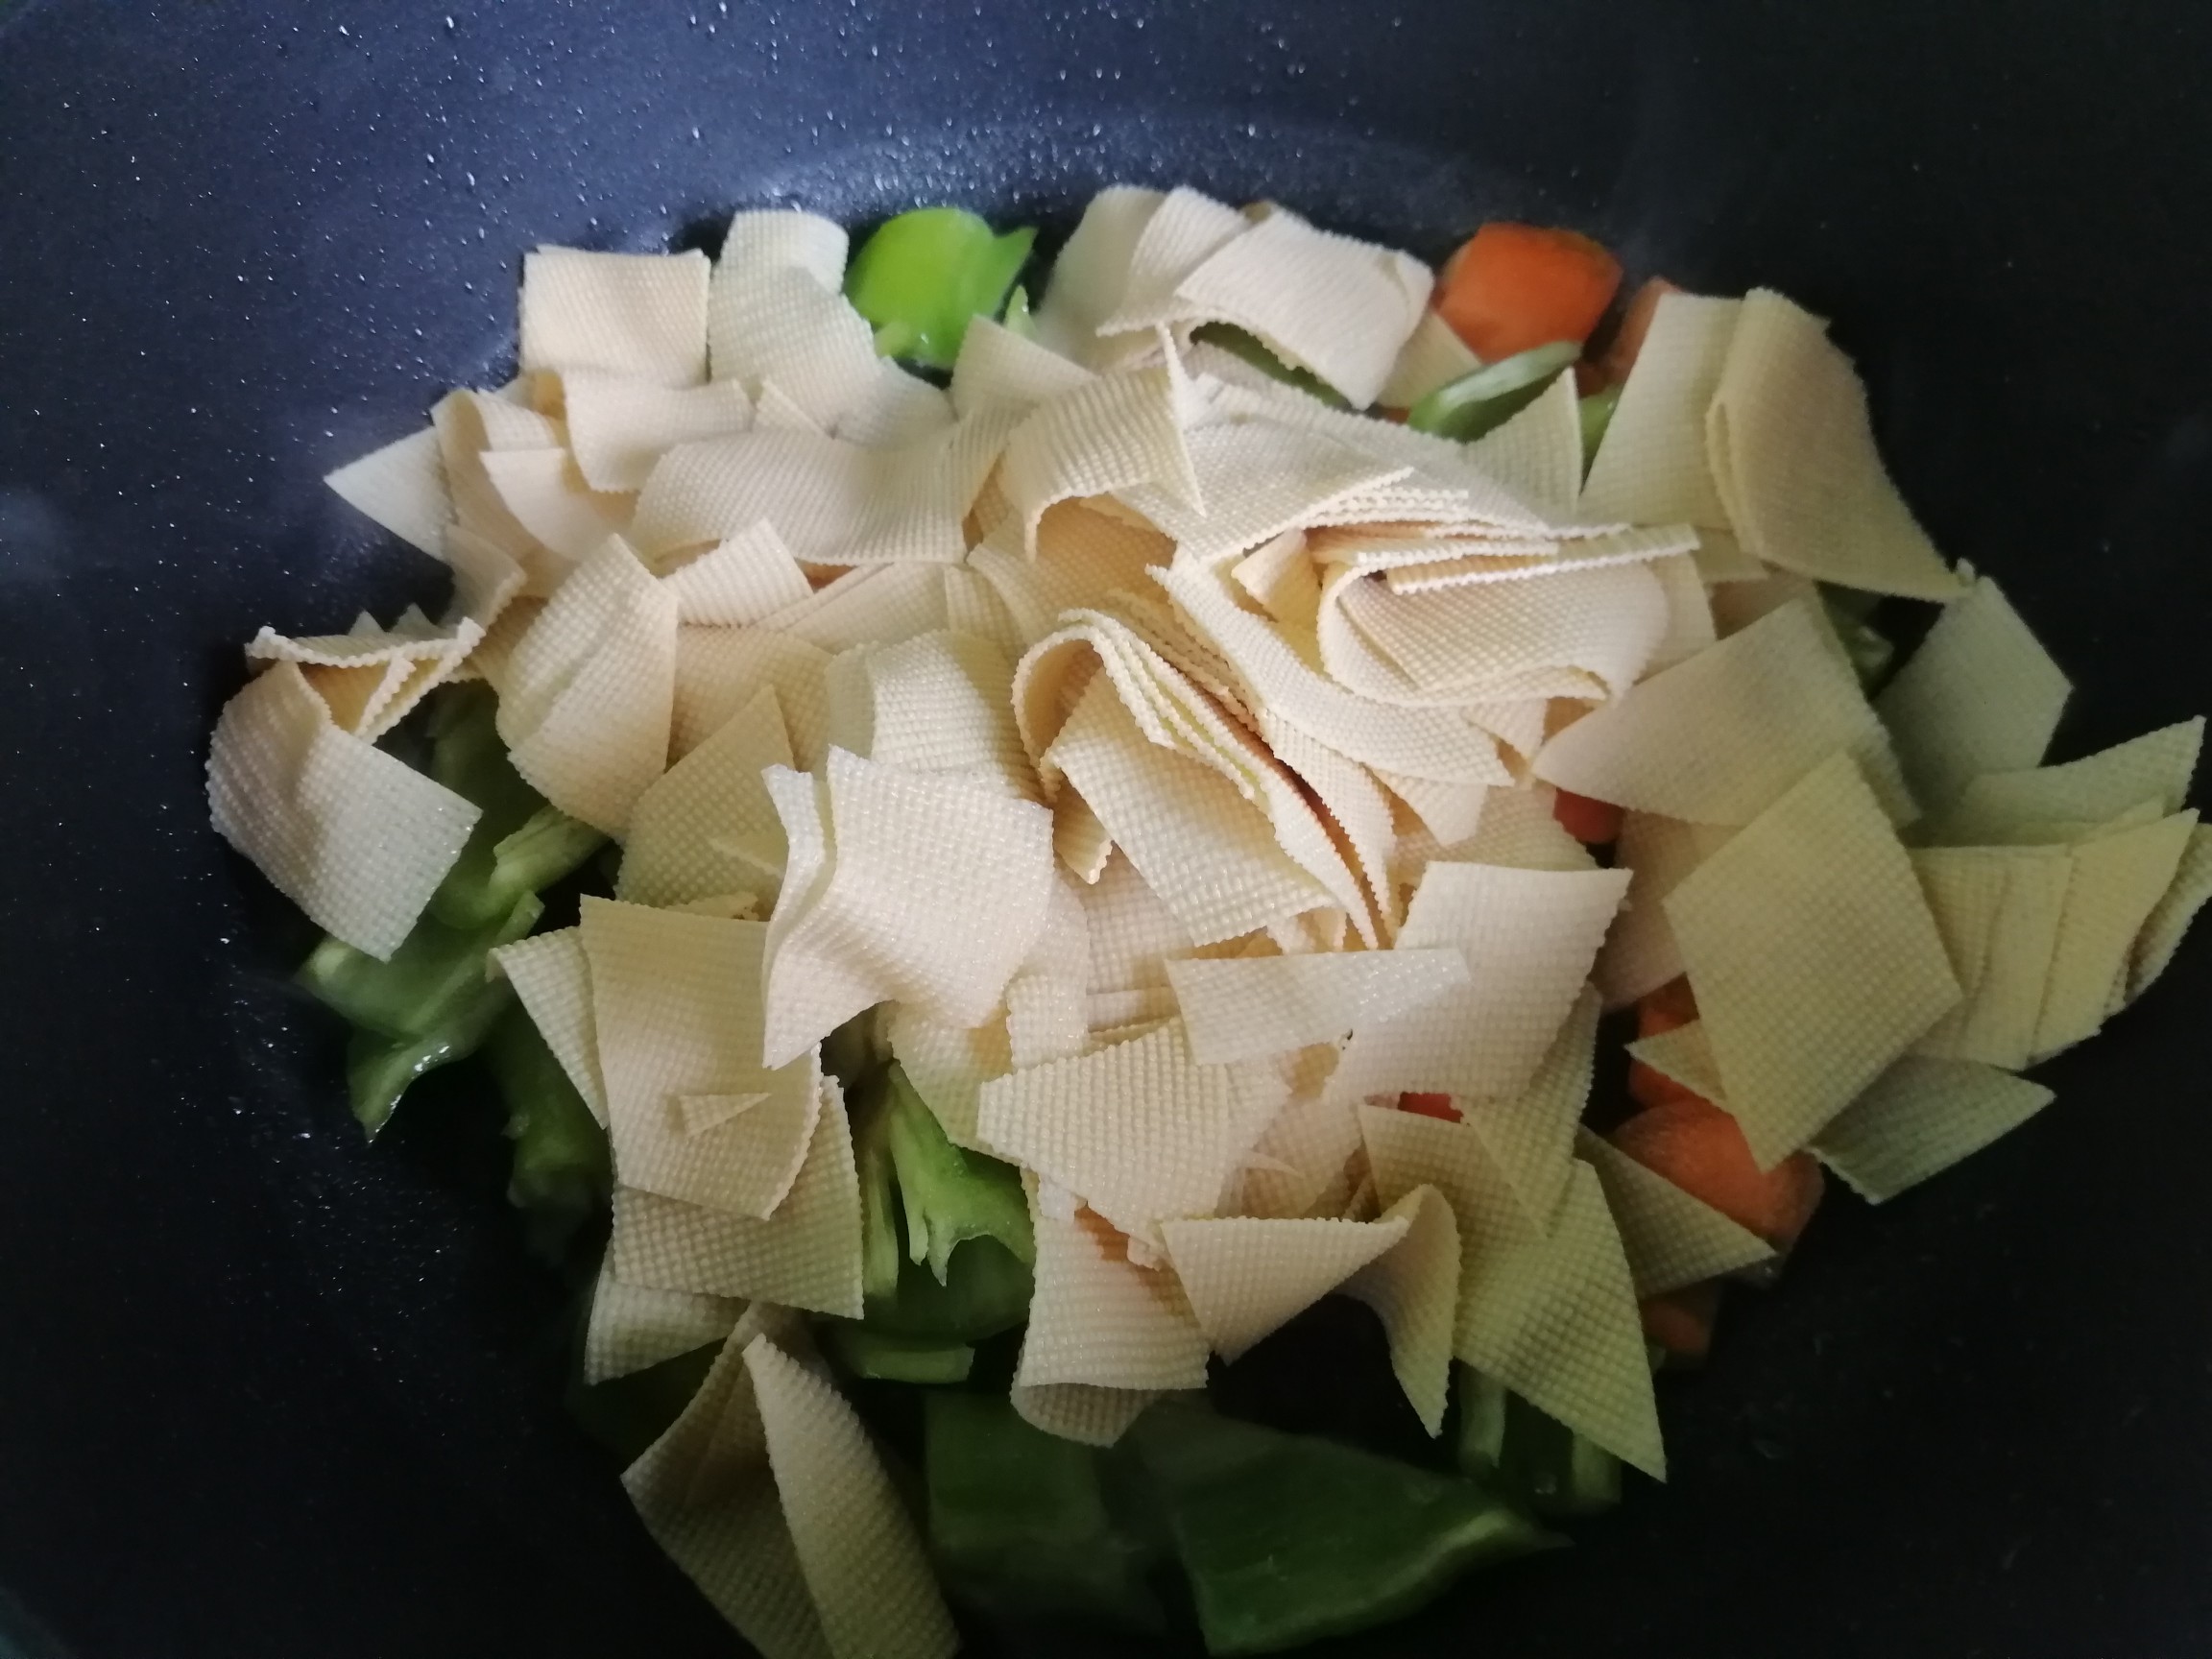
{"type": "Point", "coordinates": [1007, 839]}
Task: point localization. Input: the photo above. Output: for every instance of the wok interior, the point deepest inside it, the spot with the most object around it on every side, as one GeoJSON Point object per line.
{"type": "Point", "coordinates": [291, 1384]}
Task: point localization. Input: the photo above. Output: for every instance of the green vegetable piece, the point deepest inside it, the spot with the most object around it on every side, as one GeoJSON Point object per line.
{"type": "Point", "coordinates": [429, 1006]}
{"type": "Point", "coordinates": [923, 274]}
{"type": "Point", "coordinates": [521, 844]}
{"type": "Point", "coordinates": [379, 1070]}
{"type": "Point", "coordinates": [987, 1292]}
{"type": "Point", "coordinates": [1596, 414]}
{"type": "Point", "coordinates": [1476, 403]}
{"type": "Point", "coordinates": [469, 755]}
{"type": "Point", "coordinates": [626, 1414]}
{"type": "Point", "coordinates": [431, 1003]}
{"type": "Point", "coordinates": [563, 1172]}
{"type": "Point", "coordinates": [1553, 1471]}
{"type": "Point", "coordinates": [1248, 348]}
{"type": "Point", "coordinates": [898, 339]}
{"type": "Point", "coordinates": [1023, 1522]}
{"type": "Point", "coordinates": [434, 976]}
{"type": "Point", "coordinates": [1288, 1538]}
{"type": "Point", "coordinates": [966, 1211]}
{"type": "Point", "coordinates": [880, 1255]}
{"type": "Point", "coordinates": [1486, 1415]}
{"type": "Point", "coordinates": [949, 1195]}
{"type": "Point", "coordinates": [1527, 1457]}
{"type": "Point", "coordinates": [889, 1358]}
{"type": "Point", "coordinates": [1590, 1483]}
{"type": "Point", "coordinates": [1850, 612]}
{"type": "Point", "coordinates": [1017, 319]}
{"type": "Point", "coordinates": [547, 847]}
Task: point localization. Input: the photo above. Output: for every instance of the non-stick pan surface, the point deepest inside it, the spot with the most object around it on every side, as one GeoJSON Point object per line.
{"type": "Point", "coordinates": [265, 1391]}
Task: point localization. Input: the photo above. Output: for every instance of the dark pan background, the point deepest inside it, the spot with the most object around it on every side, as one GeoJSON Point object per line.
{"type": "Point", "coordinates": [265, 1391]}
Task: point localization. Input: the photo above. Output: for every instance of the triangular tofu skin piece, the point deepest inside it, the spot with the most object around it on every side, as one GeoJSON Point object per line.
{"type": "Point", "coordinates": [1673, 1239]}
{"type": "Point", "coordinates": [1551, 1315]}
{"type": "Point", "coordinates": [401, 487]}
{"type": "Point", "coordinates": [1530, 937]}
{"type": "Point", "coordinates": [676, 1002]}
{"type": "Point", "coordinates": [1538, 453]}
{"type": "Point", "coordinates": [806, 1255]}
{"type": "Point", "coordinates": [1414, 1291]}
{"type": "Point", "coordinates": [589, 700]}
{"type": "Point", "coordinates": [2170, 917]}
{"type": "Point", "coordinates": [1640, 953]}
{"type": "Point", "coordinates": [707, 825]}
{"type": "Point", "coordinates": [1247, 1277]}
{"type": "Point", "coordinates": [1979, 695]}
{"type": "Point", "coordinates": [552, 978]}
{"type": "Point", "coordinates": [1813, 955]}
{"type": "Point", "coordinates": [2118, 880]}
{"type": "Point", "coordinates": [640, 315]}
{"type": "Point", "coordinates": [1718, 738]}
{"type": "Point", "coordinates": [1326, 303]}
{"type": "Point", "coordinates": [863, 1564]}
{"type": "Point", "coordinates": [704, 1492]}
{"type": "Point", "coordinates": [1136, 1130]}
{"type": "Point", "coordinates": [1081, 1413]}
{"type": "Point", "coordinates": [1683, 1055]}
{"type": "Point", "coordinates": [1531, 1136]}
{"type": "Point", "coordinates": [635, 1326]}
{"type": "Point", "coordinates": [1792, 451]}
{"type": "Point", "coordinates": [1999, 909]}
{"type": "Point", "coordinates": [1920, 1118]}
{"type": "Point", "coordinates": [1245, 1009]}
{"type": "Point", "coordinates": [1257, 479]}
{"type": "Point", "coordinates": [1652, 467]}
{"type": "Point", "coordinates": [742, 580]}
{"type": "Point", "coordinates": [1207, 851]}
{"type": "Point", "coordinates": [358, 838]}
{"type": "Point", "coordinates": [1098, 1320]}
{"type": "Point", "coordinates": [945, 934]}
{"type": "Point", "coordinates": [2046, 803]}
{"type": "Point", "coordinates": [619, 426]}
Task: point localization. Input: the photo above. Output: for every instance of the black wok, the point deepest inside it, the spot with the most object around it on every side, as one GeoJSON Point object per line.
{"type": "Point", "coordinates": [265, 1391]}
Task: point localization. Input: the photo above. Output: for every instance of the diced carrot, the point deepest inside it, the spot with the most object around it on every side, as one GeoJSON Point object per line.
{"type": "Point", "coordinates": [1513, 287]}
{"type": "Point", "coordinates": [1700, 1149]}
{"type": "Point", "coordinates": [1423, 1105]}
{"type": "Point", "coordinates": [1649, 1086]}
{"type": "Point", "coordinates": [1673, 1004]}
{"type": "Point", "coordinates": [1593, 823]}
{"type": "Point", "coordinates": [1682, 1321]}
{"type": "Point", "coordinates": [1635, 323]}
{"type": "Point", "coordinates": [1697, 1145]}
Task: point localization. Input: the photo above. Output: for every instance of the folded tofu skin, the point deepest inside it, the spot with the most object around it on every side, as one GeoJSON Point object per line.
{"type": "Point", "coordinates": [1017, 837]}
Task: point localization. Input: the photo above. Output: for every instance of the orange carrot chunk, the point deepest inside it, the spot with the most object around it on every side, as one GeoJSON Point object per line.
{"type": "Point", "coordinates": [1428, 1106]}
{"type": "Point", "coordinates": [1635, 325]}
{"type": "Point", "coordinates": [1699, 1147]}
{"type": "Point", "coordinates": [1672, 1005]}
{"type": "Point", "coordinates": [1513, 287]}
{"type": "Point", "coordinates": [1593, 823]}
{"type": "Point", "coordinates": [1649, 1086]}
{"type": "Point", "coordinates": [1682, 1321]}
